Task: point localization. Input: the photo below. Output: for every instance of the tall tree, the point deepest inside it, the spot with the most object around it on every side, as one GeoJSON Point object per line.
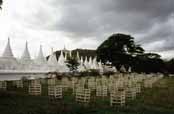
{"type": "Point", "coordinates": [119, 49]}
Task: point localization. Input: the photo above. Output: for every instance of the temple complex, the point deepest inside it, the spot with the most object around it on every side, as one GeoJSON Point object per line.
{"type": "Point", "coordinates": [26, 65]}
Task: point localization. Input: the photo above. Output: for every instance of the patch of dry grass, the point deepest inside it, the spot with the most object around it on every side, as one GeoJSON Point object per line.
{"type": "Point", "coordinates": [161, 95]}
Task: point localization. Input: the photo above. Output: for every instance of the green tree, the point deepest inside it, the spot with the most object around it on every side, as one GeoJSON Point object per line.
{"type": "Point", "coordinates": [72, 64]}
{"type": "Point", "coordinates": [120, 49]}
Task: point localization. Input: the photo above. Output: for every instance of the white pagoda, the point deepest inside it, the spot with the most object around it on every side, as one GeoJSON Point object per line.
{"type": "Point", "coordinates": [8, 61]}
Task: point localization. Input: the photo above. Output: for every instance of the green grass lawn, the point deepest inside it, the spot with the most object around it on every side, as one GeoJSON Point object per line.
{"type": "Point", "coordinates": [158, 100]}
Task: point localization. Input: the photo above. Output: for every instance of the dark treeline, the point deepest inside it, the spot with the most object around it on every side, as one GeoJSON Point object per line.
{"type": "Point", "coordinates": [82, 52]}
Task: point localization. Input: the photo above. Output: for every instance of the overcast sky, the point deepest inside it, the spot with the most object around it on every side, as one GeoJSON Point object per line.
{"type": "Point", "coordinates": [86, 24]}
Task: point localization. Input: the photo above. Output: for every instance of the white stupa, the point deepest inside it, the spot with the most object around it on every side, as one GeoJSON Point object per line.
{"type": "Point", "coordinates": [52, 61]}
{"type": "Point", "coordinates": [62, 67]}
{"type": "Point", "coordinates": [86, 63]}
{"type": "Point", "coordinates": [40, 58]}
{"type": "Point", "coordinates": [90, 63]}
{"type": "Point", "coordinates": [25, 62]}
{"type": "Point", "coordinates": [123, 69]}
{"type": "Point", "coordinates": [81, 60]}
{"type": "Point", "coordinates": [40, 61]}
{"type": "Point", "coordinates": [8, 61]}
{"type": "Point", "coordinates": [95, 64]}
{"type": "Point", "coordinates": [78, 57]}
{"type": "Point", "coordinates": [61, 59]}
{"type": "Point", "coordinates": [81, 67]}
{"type": "Point", "coordinates": [26, 58]}
{"type": "Point", "coordinates": [8, 51]}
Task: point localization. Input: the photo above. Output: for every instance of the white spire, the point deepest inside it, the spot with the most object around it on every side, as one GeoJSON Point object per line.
{"type": "Point", "coordinates": [61, 63]}
{"type": "Point", "coordinates": [100, 67]}
{"type": "Point", "coordinates": [26, 54]}
{"type": "Point", "coordinates": [61, 60]}
{"type": "Point", "coordinates": [40, 57]}
{"type": "Point", "coordinates": [90, 63]}
{"type": "Point", "coordinates": [81, 60]}
{"type": "Point", "coordinates": [8, 51]}
{"type": "Point", "coordinates": [52, 59]}
{"type": "Point", "coordinates": [95, 64]}
{"type": "Point", "coordinates": [81, 67]}
{"type": "Point", "coordinates": [26, 62]}
{"type": "Point", "coordinates": [66, 57]}
{"type": "Point", "coordinates": [70, 53]}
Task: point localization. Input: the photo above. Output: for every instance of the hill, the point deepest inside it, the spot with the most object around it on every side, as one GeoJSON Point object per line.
{"type": "Point", "coordinates": [82, 52]}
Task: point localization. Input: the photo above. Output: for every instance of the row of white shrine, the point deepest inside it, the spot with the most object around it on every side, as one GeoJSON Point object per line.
{"type": "Point", "coordinates": [9, 63]}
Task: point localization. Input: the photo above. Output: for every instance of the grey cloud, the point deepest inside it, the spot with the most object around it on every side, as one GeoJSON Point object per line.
{"type": "Point", "coordinates": [95, 18]}
{"type": "Point", "coordinates": [162, 32]}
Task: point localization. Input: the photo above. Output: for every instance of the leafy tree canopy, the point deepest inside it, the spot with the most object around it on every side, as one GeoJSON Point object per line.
{"type": "Point", "coordinates": [119, 49]}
